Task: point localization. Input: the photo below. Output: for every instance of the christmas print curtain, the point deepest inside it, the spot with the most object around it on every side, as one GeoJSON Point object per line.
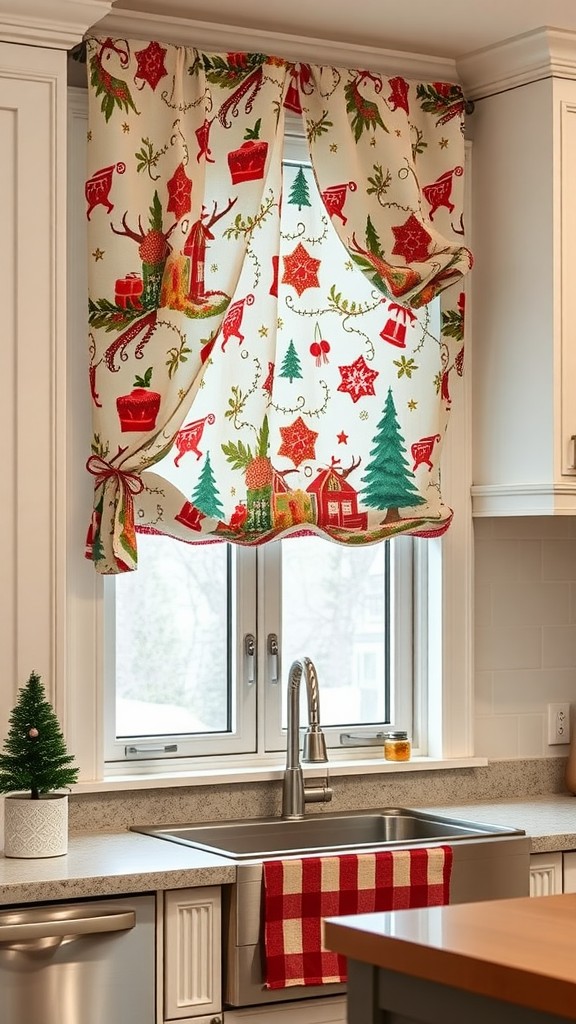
{"type": "Point", "coordinates": [267, 353]}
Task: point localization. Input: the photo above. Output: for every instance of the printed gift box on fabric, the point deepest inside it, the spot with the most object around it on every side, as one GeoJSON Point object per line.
{"type": "Point", "coordinates": [128, 291]}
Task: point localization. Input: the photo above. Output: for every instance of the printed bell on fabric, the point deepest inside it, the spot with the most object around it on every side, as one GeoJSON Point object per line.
{"type": "Point", "coordinates": [268, 352]}
{"type": "Point", "coordinates": [394, 330]}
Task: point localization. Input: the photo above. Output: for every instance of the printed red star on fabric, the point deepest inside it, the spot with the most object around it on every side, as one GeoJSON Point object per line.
{"type": "Point", "coordinates": [357, 379]}
{"type": "Point", "coordinates": [298, 442]}
{"type": "Point", "coordinates": [301, 270]}
{"type": "Point", "coordinates": [412, 241]}
{"type": "Point", "coordinates": [179, 192]}
{"type": "Point", "coordinates": [342, 438]}
{"type": "Point", "coordinates": [151, 64]}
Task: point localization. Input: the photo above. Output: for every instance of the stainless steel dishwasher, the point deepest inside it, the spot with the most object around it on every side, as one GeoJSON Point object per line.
{"type": "Point", "coordinates": [79, 963]}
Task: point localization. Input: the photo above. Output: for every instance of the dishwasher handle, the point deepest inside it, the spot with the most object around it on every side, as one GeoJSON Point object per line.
{"type": "Point", "coordinates": [29, 932]}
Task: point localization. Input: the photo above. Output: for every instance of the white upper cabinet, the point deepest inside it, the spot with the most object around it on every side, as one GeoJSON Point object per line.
{"type": "Point", "coordinates": [524, 279]}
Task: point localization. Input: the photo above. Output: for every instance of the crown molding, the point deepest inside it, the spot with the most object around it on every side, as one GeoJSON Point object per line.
{"type": "Point", "coordinates": [524, 499]}
{"type": "Point", "coordinates": [530, 57]}
{"type": "Point", "coordinates": [58, 24]}
{"type": "Point", "coordinates": [212, 37]}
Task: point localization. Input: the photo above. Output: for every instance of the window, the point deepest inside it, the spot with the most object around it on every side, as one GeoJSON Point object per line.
{"type": "Point", "coordinates": [420, 680]}
{"type": "Point", "coordinates": [197, 667]}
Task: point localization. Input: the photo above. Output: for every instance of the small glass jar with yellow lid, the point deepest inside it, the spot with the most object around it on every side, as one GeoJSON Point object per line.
{"type": "Point", "coordinates": [397, 746]}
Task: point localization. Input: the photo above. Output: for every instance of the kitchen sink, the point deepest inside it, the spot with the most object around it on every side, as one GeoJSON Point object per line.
{"type": "Point", "coordinates": [489, 862]}
{"type": "Point", "coordinates": [274, 837]}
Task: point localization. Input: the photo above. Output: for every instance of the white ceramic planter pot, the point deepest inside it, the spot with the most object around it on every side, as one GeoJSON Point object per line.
{"type": "Point", "coordinates": [36, 828]}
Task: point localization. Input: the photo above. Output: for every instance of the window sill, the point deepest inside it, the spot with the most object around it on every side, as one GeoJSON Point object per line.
{"type": "Point", "coordinates": [268, 773]}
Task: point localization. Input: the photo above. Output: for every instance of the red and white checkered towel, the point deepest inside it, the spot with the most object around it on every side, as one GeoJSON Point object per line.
{"type": "Point", "coordinates": [299, 893]}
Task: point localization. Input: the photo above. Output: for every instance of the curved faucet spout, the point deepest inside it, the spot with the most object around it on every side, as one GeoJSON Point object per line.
{"type": "Point", "coordinates": [295, 793]}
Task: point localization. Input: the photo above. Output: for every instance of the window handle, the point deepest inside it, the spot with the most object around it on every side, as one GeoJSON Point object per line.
{"type": "Point", "coordinates": [250, 652]}
{"type": "Point", "coordinates": [273, 653]}
{"type": "Point", "coordinates": [367, 739]}
{"type": "Point", "coordinates": [144, 751]}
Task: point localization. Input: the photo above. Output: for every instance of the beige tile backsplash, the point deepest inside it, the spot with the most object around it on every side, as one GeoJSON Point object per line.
{"type": "Point", "coordinates": [525, 631]}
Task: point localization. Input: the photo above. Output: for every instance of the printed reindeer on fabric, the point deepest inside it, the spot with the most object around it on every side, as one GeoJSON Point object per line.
{"type": "Point", "coordinates": [266, 351]}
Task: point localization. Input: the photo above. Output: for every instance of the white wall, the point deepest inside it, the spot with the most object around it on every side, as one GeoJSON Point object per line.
{"type": "Point", "coordinates": [525, 631]}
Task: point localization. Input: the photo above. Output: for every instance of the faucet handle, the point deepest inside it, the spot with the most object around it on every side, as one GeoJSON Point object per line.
{"type": "Point", "coordinates": [318, 793]}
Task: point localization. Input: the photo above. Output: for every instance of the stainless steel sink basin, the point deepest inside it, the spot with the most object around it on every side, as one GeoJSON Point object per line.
{"type": "Point", "coordinates": [273, 837]}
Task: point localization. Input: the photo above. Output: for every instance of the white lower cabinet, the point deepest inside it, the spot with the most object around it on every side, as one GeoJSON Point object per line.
{"type": "Point", "coordinates": [569, 872]}
{"type": "Point", "coordinates": [192, 957]}
{"type": "Point", "coordinates": [552, 873]}
{"type": "Point", "coordinates": [546, 874]}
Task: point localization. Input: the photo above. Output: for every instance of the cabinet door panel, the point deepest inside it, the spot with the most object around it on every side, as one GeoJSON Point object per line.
{"type": "Point", "coordinates": [546, 874]}
{"type": "Point", "coordinates": [32, 357]}
{"type": "Point", "coordinates": [524, 208]}
{"type": "Point", "coordinates": [192, 957]}
{"type": "Point", "coordinates": [567, 318]}
{"type": "Point", "coordinates": [569, 872]}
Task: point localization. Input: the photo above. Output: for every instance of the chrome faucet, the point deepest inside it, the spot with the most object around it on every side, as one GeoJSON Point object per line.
{"type": "Point", "coordinates": [296, 793]}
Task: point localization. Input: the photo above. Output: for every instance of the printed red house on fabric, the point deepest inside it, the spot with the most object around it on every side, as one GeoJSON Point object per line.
{"type": "Point", "coordinates": [336, 499]}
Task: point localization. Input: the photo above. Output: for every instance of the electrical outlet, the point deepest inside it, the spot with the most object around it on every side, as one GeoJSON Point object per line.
{"type": "Point", "coordinates": [558, 723]}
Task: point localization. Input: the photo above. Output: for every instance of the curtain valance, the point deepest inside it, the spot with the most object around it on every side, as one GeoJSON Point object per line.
{"type": "Point", "coordinates": [267, 349]}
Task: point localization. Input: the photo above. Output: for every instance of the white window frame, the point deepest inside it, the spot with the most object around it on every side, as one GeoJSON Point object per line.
{"type": "Point", "coordinates": [257, 590]}
{"type": "Point", "coordinates": [273, 736]}
{"type": "Point", "coordinates": [442, 710]}
{"type": "Point", "coordinates": [242, 737]}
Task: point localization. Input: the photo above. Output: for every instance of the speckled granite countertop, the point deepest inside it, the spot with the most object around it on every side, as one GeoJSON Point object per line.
{"type": "Point", "coordinates": [103, 864]}
{"type": "Point", "coordinates": [550, 820]}
{"type": "Point", "coordinates": [106, 864]}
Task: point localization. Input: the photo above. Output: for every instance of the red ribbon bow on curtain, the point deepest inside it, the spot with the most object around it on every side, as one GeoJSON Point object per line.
{"type": "Point", "coordinates": [124, 535]}
{"type": "Point", "coordinates": [103, 471]}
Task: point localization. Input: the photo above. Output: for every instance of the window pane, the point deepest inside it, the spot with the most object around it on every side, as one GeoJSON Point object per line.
{"type": "Point", "coordinates": [335, 603]}
{"type": "Point", "coordinates": [172, 640]}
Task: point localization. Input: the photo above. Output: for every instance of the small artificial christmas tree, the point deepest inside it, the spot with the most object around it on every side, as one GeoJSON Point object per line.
{"type": "Point", "coordinates": [35, 757]}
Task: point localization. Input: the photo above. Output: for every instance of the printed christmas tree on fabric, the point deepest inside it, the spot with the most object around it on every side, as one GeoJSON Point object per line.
{"type": "Point", "coordinates": [206, 496]}
{"type": "Point", "coordinates": [390, 483]}
{"type": "Point", "coordinates": [291, 367]}
{"type": "Point", "coordinates": [299, 192]}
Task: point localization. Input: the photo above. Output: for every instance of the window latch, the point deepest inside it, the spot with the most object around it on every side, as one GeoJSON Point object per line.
{"type": "Point", "coordinates": [250, 652]}
{"type": "Point", "coordinates": [273, 654]}
{"type": "Point", "coordinates": [348, 739]}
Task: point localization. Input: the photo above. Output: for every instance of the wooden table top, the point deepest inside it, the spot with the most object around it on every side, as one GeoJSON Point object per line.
{"type": "Point", "coordinates": [520, 950]}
